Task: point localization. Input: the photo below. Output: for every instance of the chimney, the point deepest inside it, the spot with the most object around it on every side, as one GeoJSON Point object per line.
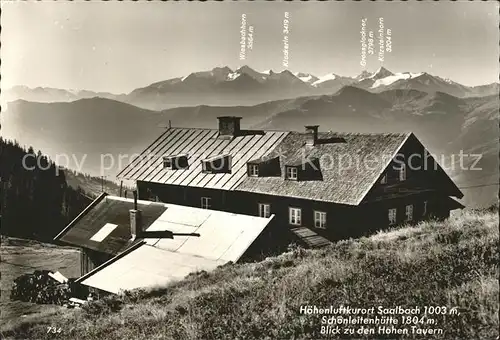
{"type": "Point", "coordinates": [135, 219]}
{"type": "Point", "coordinates": [312, 135]}
{"type": "Point", "coordinates": [229, 126]}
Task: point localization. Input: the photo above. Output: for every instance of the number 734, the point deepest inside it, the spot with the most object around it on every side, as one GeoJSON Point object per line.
{"type": "Point", "coordinates": [54, 330]}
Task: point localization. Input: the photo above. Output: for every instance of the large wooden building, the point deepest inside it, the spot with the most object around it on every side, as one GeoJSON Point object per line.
{"type": "Point", "coordinates": [321, 186]}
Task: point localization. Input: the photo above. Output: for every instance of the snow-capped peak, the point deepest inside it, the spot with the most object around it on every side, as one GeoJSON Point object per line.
{"type": "Point", "coordinates": [222, 69]}
{"type": "Point", "coordinates": [246, 69]}
{"type": "Point", "coordinates": [446, 80]}
{"type": "Point", "coordinates": [382, 72]}
{"type": "Point", "coordinates": [363, 75]}
{"type": "Point", "coordinates": [329, 76]}
{"type": "Point", "coordinates": [74, 91]}
{"type": "Point", "coordinates": [233, 75]}
{"type": "Point", "coordinates": [305, 78]}
{"type": "Point", "coordinates": [394, 78]}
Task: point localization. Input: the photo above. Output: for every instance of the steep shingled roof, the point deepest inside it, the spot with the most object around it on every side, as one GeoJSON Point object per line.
{"type": "Point", "coordinates": [341, 183]}
{"type": "Point", "coordinates": [336, 181]}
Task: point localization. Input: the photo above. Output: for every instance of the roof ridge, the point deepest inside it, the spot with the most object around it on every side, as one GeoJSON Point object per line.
{"type": "Point", "coordinates": [83, 213]}
{"type": "Point", "coordinates": [216, 129]}
{"type": "Point", "coordinates": [115, 258]}
{"type": "Point", "coordinates": [190, 128]}
{"type": "Point", "coordinates": [382, 169]}
{"type": "Point", "coordinates": [402, 133]}
{"type": "Point", "coordinates": [126, 199]}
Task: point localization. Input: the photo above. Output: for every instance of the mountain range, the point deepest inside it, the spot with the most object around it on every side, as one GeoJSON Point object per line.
{"type": "Point", "coordinates": [223, 86]}
{"type": "Point", "coordinates": [50, 94]}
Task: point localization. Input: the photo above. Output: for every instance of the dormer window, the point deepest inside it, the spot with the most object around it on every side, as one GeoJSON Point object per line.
{"type": "Point", "coordinates": [304, 170]}
{"type": "Point", "coordinates": [291, 173]}
{"type": "Point", "coordinates": [264, 167]}
{"type": "Point", "coordinates": [217, 164]}
{"type": "Point", "coordinates": [253, 170]}
{"type": "Point", "coordinates": [175, 162]}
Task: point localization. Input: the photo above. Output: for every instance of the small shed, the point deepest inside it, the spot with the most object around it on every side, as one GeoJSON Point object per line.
{"type": "Point", "coordinates": [140, 257]}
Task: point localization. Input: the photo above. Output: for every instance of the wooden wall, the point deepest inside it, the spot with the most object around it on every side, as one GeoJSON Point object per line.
{"type": "Point", "coordinates": [338, 216]}
{"type": "Point", "coordinates": [90, 259]}
{"type": "Point", "coordinates": [422, 174]}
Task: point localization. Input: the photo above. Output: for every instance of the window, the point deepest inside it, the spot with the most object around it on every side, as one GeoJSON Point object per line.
{"type": "Point", "coordinates": [167, 162]}
{"type": "Point", "coordinates": [205, 202]}
{"type": "Point", "coordinates": [217, 164]}
{"type": "Point", "coordinates": [291, 173]}
{"type": "Point", "coordinates": [424, 210]}
{"type": "Point", "coordinates": [205, 167]}
{"type": "Point", "coordinates": [264, 210]}
{"type": "Point", "coordinates": [409, 212]}
{"type": "Point", "coordinates": [402, 172]}
{"type": "Point", "coordinates": [295, 216]}
{"type": "Point", "coordinates": [392, 216]}
{"type": "Point", "coordinates": [253, 170]}
{"type": "Point", "coordinates": [175, 162]}
{"type": "Point", "coordinates": [103, 232]}
{"type": "Point", "coordinates": [320, 219]}
{"type": "Point", "coordinates": [383, 180]}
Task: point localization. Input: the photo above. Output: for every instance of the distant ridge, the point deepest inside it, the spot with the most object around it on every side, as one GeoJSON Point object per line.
{"type": "Point", "coordinates": [94, 126]}
{"type": "Point", "coordinates": [245, 86]}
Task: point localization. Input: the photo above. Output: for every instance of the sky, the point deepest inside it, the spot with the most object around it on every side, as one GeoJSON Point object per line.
{"type": "Point", "coordinates": [120, 46]}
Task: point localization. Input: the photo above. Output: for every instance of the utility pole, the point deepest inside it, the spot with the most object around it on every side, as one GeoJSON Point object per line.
{"type": "Point", "coordinates": [3, 195]}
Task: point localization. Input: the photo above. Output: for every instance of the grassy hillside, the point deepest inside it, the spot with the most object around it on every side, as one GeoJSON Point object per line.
{"type": "Point", "coordinates": [92, 185]}
{"type": "Point", "coordinates": [452, 263]}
